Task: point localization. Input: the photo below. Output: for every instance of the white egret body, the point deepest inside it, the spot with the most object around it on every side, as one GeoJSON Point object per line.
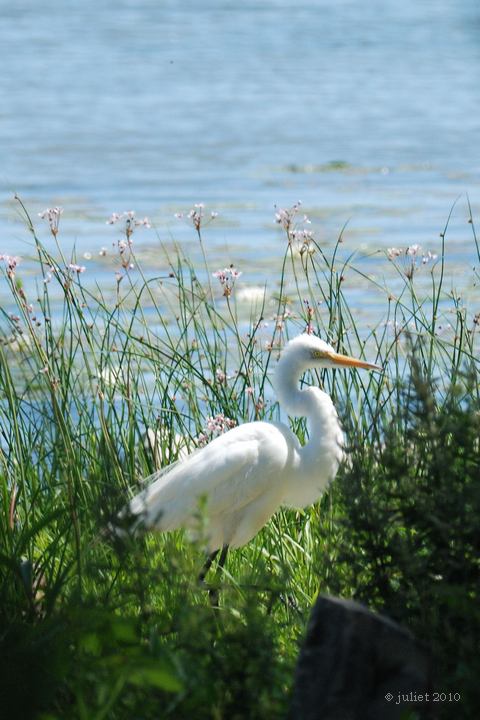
{"type": "Point", "coordinates": [248, 473]}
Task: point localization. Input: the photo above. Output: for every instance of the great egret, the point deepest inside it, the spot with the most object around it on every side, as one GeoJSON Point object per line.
{"type": "Point", "coordinates": [252, 470]}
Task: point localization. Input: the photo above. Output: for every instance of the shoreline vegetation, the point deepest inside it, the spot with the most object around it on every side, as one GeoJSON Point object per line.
{"type": "Point", "coordinates": [99, 386]}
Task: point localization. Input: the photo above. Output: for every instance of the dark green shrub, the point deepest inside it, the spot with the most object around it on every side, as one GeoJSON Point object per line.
{"type": "Point", "coordinates": [407, 515]}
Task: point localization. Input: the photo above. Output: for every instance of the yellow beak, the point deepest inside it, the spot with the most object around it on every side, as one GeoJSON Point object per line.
{"type": "Point", "coordinates": [347, 361]}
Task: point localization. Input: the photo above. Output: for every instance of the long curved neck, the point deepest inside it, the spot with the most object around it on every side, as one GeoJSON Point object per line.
{"type": "Point", "coordinates": [291, 398]}
{"type": "Point", "coordinates": [316, 463]}
{"type": "Point", "coordinates": [312, 403]}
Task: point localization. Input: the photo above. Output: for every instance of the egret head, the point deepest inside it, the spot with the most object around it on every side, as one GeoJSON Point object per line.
{"type": "Point", "coordinates": [307, 351]}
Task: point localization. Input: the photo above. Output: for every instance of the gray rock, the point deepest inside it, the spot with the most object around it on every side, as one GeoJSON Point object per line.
{"type": "Point", "coordinates": [351, 660]}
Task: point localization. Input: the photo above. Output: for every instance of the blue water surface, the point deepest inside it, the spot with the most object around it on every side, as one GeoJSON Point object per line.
{"type": "Point", "coordinates": [367, 112]}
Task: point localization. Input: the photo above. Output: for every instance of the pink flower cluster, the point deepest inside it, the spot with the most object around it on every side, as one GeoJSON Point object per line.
{"type": "Point", "coordinates": [310, 312]}
{"type": "Point", "coordinates": [411, 251]}
{"type": "Point", "coordinates": [131, 221]}
{"type": "Point", "coordinates": [196, 216]}
{"type": "Point", "coordinates": [220, 376]}
{"type": "Point", "coordinates": [302, 237]}
{"type": "Point", "coordinates": [215, 426]}
{"type": "Point", "coordinates": [52, 215]}
{"type": "Point", "coordinates": [394, 252]}
{"type": "Point", "coordinates": [227, 278]}
{"type": "Point", "coordinates": [285, 217]}
{"type": "Point", "coordinates": [282, 318]}
{"type": "Point", "coordinates": [77, 268]}
{"type": "Point", "coordinates": [11, 262]}
{"type": "Point", "coordinates": [411, 256]}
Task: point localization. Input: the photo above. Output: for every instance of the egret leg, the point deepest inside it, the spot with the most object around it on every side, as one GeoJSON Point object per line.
{"type": "Point", "coordinates": [223, 556]}
{"type": "Point", "coordinates": [213, 593]}
{"type": "Point", "coordinates": [207, 565]}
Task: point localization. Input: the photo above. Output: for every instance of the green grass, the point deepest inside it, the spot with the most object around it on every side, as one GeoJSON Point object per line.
{"type": "Point", "coordinates": [97, 627]}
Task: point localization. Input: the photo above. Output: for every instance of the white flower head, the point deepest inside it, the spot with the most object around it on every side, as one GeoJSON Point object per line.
{"type": "Point", "coordinates": [227, 278]}
{"type": "Point", "coordinates": [413, 250]}
{"type": "Point", "coordinates": [52, 216]}
{"type": "Point", "coordinates": [429, 256]}
{"type": "Point", "coordinates": [77, 268]}
{"type": "Point", "coordinates": [196, 216]}
{"type": "Point", "coordinates": [393, 253]}
{"type": "Point", "coordinates": [11, 262]}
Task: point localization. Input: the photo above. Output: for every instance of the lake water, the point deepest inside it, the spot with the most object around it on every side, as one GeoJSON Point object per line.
{"type": "Point", "coordinates": [367, 112]}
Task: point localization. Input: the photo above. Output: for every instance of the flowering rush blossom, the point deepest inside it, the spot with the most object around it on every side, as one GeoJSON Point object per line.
{"type": "Point", "coordinates": [52, 216]}
{"type": "Point", "coordinates": [303, 240]}
{"type": "Point", "coordinates": [130, 221]}
{"type": "Point", "coordinates": [393, 253]}
{"type": "Point", "coordinates": [301, 236]}
{"type": "Point", "coordinates": [310, 313]}
{"type": "Point", "coordinates": [77, 268]}
{"type": "Point", "coordinates": [413, 250]}
{"type": "Point", "coordinates": [11, 262]}
{"type": "Point", "coordinates": [216, 425]}
{"type": "Point", "coordinates": [196, 216]}
{"type": "Point", "coordinates": [259, 403]}
{"type": "Point", "coordinates": [411, 256]}
{"type": "Point", "coordinates": [227, 278]}
{"type": "Point", "coordinates": [285, 217]}
{"type": "Point", "coordinates": [428, 256]}
{"type": "Point", "coordinates": [220, 376]}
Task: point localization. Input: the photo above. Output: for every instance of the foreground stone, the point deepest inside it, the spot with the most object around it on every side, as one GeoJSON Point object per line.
{"type": "Point", "coordinates": [357, 665]}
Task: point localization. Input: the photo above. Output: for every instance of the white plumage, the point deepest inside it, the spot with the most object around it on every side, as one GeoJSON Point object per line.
{"type": "Point", "coordinates": [248, 473]}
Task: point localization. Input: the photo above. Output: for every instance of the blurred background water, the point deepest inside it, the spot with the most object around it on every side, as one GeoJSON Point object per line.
{"type": "Point", "coordinates": [367, 112]}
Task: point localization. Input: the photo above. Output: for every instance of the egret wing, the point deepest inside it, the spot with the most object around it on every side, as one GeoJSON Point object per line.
{"type": "Point", "coordinates": [230, 472]}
